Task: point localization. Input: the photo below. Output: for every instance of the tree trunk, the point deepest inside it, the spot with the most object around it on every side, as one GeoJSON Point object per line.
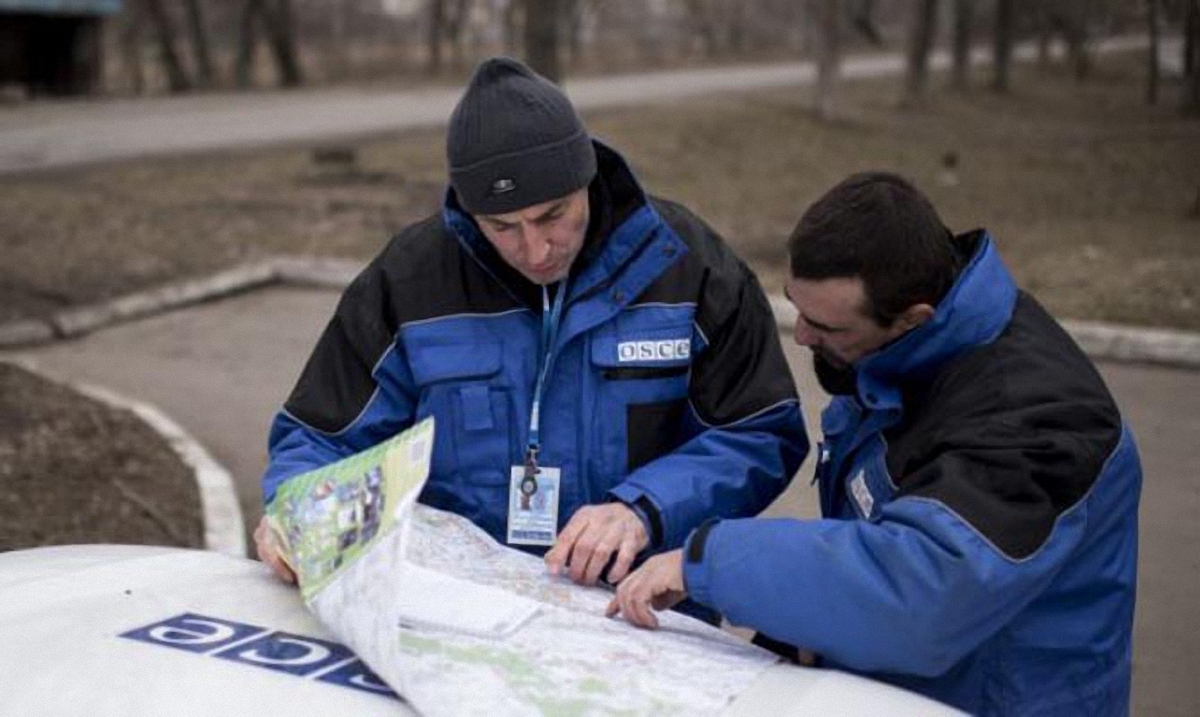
{"type": "Point", "coordinates": [541, 38]}
{"type": "Point", "coordinates": [513, 18]}
{"type": "Point", "coordinates": [1152, 74]}
{"type": "Point", "coordinates": [1045, 35]}
{"type": "Point", "coordinates": [862, 18]}
{"type": "Point", "coordinates": [337, 56]}
{"type": "Point", "coordinates": [1191, 30]}
{"type": "Point", "coordinates": [437, 20]}
{"type": "Point", "coordinates": [1191, 60]}
{"type": "Point", "coordinates": [244, 64]}
{"type": "Point", "coordinates": [827, 58]}
{"type": "Point", "coordinates": [1077, 38]}
{"type": "Point", "coordinates": [177, 78]}
{"type": "Point", "coordinates": [205, 76]}
{"type": "Point", "coordinates": [704, 26]}
{"type": "Point", "coordinates": [131, 47]}
{"type": "Point", "coordinates": [736, 37]}
{"type": "Point", "coordinates": [920, 42]}
{"type": "Point", "coordinates": [960, 67]}
{"type": "Point", "coordinates": [1003, 39]}
{"type": "Point", "coordinates": [281, 36]}
{"type": "Point", "coordinates": [456, 30]}
{"type": "Point", "coordinates": [573, 21]}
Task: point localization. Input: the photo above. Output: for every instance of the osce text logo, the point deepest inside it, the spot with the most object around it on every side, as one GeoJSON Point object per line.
{"type": "Point", "coordinates": [666, 350]}
{"type": "Point", "coordinates": [306, 657]}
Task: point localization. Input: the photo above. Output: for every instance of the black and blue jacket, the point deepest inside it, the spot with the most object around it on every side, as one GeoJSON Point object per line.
{"type": "Point", "coordinates": [980, 496]}
{"type": "Point", "coordinates": [669, 389]}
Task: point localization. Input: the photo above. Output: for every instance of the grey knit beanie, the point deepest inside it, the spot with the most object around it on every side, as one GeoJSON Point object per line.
{"type": "Point", "coordinates": [514, 141]}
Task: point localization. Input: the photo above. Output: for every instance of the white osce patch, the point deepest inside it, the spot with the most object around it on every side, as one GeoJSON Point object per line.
{"type": "Point", "coordinates": [862, 494]}
{"type": "Point", "coordinates": [664, 350]}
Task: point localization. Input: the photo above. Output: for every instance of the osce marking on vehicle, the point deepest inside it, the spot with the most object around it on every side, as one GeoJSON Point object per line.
{"type": "Point", "coordinates": [307, 657]}
{"type": "Point", "coordinates": [666, 350]}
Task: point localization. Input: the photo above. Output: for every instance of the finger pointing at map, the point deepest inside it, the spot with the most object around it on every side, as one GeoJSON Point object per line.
{"type": "Point", "coordinates": [657, 585]}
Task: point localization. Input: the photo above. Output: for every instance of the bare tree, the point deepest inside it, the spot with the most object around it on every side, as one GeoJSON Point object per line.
{"type": "Point", "coordinates": [205, 76]}
{"type": "Point", "coordinates": [541, 38]}
{"type": "Point", "coordinates": [862, 19]}
{"type": "Point", "coordinates": [177, 79]}
{"type": "Point", "coordinates": [131, 46]}
{"type": "Point", "coordinates": [920, 43]}
{"type": "Point", "coordinates": [456, 27]}
{"type": "Point", "coordinates": [735, 35]}
{"type": "Point", "coordinates": [1045, 33]}
{"type": "Point", "coordinates": [437, 21]}
{"type": "Point", "coordinates": [1191, 58]}
{"type": "Point", "coordinates": [1152, 74]}
{"type": "Point", "coordinates": [1076, 29]}
{"type": "Point", "coordinates": [1191, 33]}
{"type": "Point", "coordinates": [337, 19]}
{"type": "Point", "coordinates": [960, 66]}
{"type": "Point", "coordinates": [514, 19]}
{"type": "Point", "coordinates": [247, 40]}
{"type": "Point", "coordinates": [281, 36]}
{"type": "Point", "coordinates": [573, 13]}
{"type": "Point", "coordinates": [277, 24]}
{"type": "Point", "coordinates": [704, 24]}
{"type": "Point", "coordinates": [1003, 42]}
{"type": "Point", "coordinates": [827, 58]}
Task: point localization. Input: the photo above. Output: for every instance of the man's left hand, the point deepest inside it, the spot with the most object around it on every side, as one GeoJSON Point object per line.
{"type": "Point", "coordinates": [594, 534]}
{"type": "Point", "coordinates": [657, 585]}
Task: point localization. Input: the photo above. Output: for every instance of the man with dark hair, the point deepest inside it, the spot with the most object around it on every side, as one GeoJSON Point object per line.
{"type": "Point", "coordinates": [978, 485]}
{"type": "Point", "coordinates": [576, 339]}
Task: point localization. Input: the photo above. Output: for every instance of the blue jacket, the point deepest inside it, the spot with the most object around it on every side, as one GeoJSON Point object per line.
{"type": "Point", "coordinates": [980, 496]}
{"type": "Point", "coordinates": [669, 389]}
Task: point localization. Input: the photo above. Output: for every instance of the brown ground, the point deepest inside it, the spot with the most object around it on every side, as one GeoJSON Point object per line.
{"type": "Point", "coordinates": [1092, 194]}
{"type": "Point", "coordinates": [73, 470]}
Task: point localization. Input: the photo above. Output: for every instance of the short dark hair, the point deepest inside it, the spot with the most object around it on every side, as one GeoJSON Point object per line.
{"type": "Point", "coordinates": [879, 227]}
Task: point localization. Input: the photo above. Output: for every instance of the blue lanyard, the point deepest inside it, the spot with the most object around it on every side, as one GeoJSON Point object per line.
{"type": "Point", "coordinates": [551, 315]}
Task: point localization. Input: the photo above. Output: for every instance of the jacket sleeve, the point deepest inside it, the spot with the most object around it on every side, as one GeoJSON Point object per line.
{"type": "Point", "coordinates": [745, 435]}
{"type": "Point", "coordinates": [913, 592]}
{"type": "Point", "coordinates": [354, 392]}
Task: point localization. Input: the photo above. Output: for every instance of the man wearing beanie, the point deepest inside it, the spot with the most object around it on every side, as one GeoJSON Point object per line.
{"type": "Point", "coordinates": [605, 374]}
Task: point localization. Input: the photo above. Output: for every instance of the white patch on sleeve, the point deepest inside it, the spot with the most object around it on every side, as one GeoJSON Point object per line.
{"type": "Point", "coordinates": [862, 494]}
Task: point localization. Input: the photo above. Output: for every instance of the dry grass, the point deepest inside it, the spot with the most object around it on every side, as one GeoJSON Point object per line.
{"type": "Point", "coordinates": [1091, 194]}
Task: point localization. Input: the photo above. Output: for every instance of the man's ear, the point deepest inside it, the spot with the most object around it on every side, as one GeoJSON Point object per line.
{"type": "Point", "coordinates": [914, 316]}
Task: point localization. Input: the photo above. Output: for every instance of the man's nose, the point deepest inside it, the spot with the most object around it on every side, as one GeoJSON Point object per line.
{"type": "Point", "coordinates": [537, 245]}
{"type": "Point", "coordinates": [804, 334]}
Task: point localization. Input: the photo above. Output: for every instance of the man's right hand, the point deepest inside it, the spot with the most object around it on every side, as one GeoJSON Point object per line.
{"type": "Point", "coordinates": [271, 552]}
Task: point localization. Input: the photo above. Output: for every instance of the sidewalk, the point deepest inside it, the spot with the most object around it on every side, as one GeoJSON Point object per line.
{"type": "Point", "coordinates": [222, 369]}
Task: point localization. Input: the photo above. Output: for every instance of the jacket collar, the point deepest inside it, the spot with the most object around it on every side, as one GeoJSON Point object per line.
{"type": "Point", "coordinates": [976, 309]}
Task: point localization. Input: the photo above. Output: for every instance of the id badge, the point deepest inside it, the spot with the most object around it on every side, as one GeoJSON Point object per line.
{"type": "Point", "coordinates": [533, 506]}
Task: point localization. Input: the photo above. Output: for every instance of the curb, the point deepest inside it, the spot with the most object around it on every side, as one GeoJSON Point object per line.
{"type": "Point", "coordinates": [71, 323]}
{"type": "Point", "coordinates": [1101, 341]}
{"type": "Point", "coordinates": [224, 531]}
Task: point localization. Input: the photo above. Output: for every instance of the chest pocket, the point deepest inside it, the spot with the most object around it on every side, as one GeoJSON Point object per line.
{"type": "Point", "coordinates": [463, 387]}
{"type": "Point", "coordinates": [641, 396]}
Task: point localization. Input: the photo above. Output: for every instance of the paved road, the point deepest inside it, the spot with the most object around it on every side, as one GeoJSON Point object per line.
{"type": "Point", "coordinates": [221, 370]}
{"type": "Point", "coordinates": [56, 134]}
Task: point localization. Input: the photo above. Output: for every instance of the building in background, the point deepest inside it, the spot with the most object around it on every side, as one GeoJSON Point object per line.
{"type": "Point", "coordinates": [52, 47]}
